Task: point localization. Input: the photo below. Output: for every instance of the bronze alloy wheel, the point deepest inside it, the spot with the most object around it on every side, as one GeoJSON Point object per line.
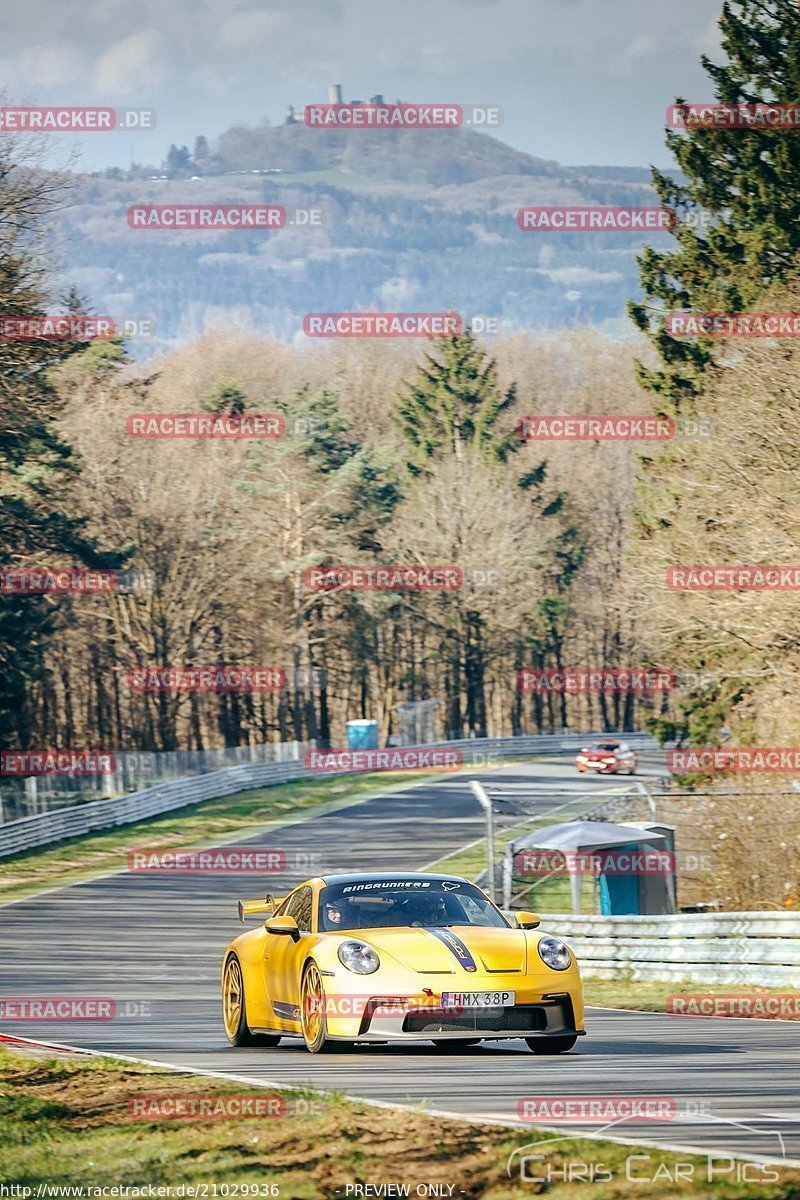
{"type": "Point", "coordinates": [312, 1009]}
{"type": "Point", "coordinates": [234, 1011]}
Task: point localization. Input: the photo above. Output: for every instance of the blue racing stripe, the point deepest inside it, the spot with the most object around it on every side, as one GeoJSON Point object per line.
{"type": "Point", "coordinates": [456, 948]}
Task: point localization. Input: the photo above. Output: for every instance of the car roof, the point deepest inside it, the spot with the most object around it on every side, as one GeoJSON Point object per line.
{"type": "Point", "coordinates": [388, 876]}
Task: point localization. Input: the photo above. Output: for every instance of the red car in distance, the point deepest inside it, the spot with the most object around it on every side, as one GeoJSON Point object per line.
{"type": "Point", "coordinates": [607, 758]}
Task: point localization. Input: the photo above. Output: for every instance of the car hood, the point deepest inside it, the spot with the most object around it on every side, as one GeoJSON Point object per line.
{"type": "Point", "coordinates": [598, 754]}
{"type": "Point", "coordinates": [463, 949]}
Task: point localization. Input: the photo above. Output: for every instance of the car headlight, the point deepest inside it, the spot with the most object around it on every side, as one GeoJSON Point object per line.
{"type": "Point", "coordinates": [554, 953]}
{"type": "Point", "coordinates": [358, 957]}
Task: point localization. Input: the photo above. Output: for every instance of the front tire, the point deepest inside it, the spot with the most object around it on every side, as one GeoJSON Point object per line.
{"type": "Point", "coordinates": [551, 1045]}
{"type": "Point", "coordinates": [234, 1009]}
{"type": "Point", "coordinates": [312, 1011]}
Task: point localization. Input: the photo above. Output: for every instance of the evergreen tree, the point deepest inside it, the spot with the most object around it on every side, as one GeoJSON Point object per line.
{"type": "Point", "coordinates": [178, 160]}
{"type": "Point", "coordinates": [36, 466]}
{"type": "Point", "coordinates": [744, 182]}
{"type": "Point", "coordinates": [454, 403]}
{"type": "Point", "coordinates": [225, 399]}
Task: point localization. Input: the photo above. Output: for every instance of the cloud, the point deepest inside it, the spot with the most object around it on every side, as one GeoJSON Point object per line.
{"type": "Point", "coordinates": [130, 64]}
{"type": "Point", "coordinates": [642, 46]}
{"type": "Point", "coordinates": [584, 275]}
{"type": "Point", "coordinates": [42, 66]}
{"type": "Point", "coordinates": [398, 291]}
{"type": "Point", "coordinates": [250, 30]}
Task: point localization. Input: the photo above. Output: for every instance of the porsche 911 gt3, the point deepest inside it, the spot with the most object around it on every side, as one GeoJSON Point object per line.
{"type": "Point", "coordinates": [397, 958]}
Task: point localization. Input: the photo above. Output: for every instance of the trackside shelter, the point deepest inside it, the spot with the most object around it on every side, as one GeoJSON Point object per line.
{"type": "Point", "coordinates": [634, 864]}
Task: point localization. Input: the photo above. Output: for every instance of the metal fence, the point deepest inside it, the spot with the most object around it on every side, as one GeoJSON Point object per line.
{"type": "Point", "coordinates": [133, 771]}
{"type": "Point", "coordinates": [75, 821]}
{"type": "Point", "coordinates": [720, 948]}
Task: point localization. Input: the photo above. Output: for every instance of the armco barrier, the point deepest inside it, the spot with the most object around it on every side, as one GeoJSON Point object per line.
{"type": "Point", "coordinates": [721, 948]}
{"type": "Point", "coordinates": [63, 823]}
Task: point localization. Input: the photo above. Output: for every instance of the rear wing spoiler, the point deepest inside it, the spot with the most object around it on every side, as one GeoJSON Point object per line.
{"type": "Point", "coordinates": [251, 908]}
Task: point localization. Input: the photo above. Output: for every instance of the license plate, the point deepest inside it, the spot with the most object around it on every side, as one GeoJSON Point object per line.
{"type": "Point", "coordinates": [478, 999]}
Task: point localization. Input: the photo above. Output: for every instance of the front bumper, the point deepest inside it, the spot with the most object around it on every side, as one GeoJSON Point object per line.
{"type": "Point", "coordinates": [393, 1017]}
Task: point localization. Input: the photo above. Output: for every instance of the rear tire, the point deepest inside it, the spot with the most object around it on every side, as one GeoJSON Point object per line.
{"type": "Point", "coordinates": [551, 1045]}
{"type": "Point", "coordinates": [234, 1009]}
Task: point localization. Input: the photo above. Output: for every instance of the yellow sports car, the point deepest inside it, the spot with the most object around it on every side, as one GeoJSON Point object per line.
{"type": "Point", "coordinates": [394, 958]}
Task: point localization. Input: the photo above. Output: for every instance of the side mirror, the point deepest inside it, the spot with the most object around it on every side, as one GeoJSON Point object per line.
{"type": "Point", "coordinates": [287, 926]}
{"type": "Point", "coordinates": [525, 920]}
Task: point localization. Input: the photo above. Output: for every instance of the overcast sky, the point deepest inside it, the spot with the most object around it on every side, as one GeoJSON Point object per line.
{"type": "Point", "coordinates": [579, 80]}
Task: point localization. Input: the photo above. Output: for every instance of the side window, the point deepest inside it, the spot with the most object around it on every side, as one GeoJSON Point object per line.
{"type": "Point", "coordinates": [298, 906]}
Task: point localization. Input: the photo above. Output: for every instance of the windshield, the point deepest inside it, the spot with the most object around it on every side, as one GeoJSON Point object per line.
{"type": "Point", "coordinates": [610, 746]}
{"type": "Point", "coordinates": [398, 903]}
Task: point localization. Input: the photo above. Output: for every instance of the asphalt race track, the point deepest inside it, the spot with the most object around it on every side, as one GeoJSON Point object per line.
{"type": "Point", "coordinates": [157, 940]}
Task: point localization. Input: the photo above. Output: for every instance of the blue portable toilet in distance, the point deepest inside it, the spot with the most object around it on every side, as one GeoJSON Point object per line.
{"type": "Point", "coordinates": [362, 735]}
{"type": "Point", "coordinates": [619, 894]}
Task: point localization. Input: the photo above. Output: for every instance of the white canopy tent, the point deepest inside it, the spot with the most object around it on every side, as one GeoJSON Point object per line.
{"type": "Point", "coordinates": [575, 838]}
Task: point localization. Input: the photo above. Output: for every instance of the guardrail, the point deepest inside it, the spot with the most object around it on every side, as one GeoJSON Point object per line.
{"type": "Point", "coordinates": [60, 824]}
{"type": "Point", "coordinates": [25, 796]}
{"type": "Point", "coordinates": [720, 948]}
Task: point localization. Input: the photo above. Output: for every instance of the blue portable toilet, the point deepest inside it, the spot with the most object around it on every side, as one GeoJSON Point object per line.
{"type": "Point", "coordinates": [362, 735]}
{"type": "Point", "coordinates": [619, 894]}
{"type": "Point", "coordinates": [646, 894]}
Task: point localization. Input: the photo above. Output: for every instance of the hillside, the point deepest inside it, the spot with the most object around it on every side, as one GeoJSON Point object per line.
{"type": "Point", "coordinates": [422, 221]}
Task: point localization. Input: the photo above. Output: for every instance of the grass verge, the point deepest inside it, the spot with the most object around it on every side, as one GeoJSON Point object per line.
{"type": "Point", "coordinates": [651, 996]}
{"type": "Point", "coordinates": [68, 1121]}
